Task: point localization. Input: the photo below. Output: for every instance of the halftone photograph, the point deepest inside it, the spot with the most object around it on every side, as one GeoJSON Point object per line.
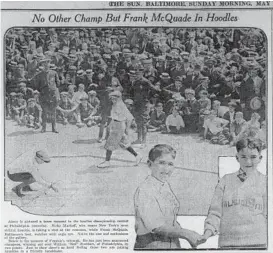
{"type": "Point", "coordinates": [131, 121]}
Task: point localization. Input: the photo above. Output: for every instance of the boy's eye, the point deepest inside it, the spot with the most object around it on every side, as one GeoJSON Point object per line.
{"type": "Point", "coordinates": [166, 163]}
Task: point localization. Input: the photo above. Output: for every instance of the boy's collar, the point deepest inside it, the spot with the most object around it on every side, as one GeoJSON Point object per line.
{"type": "Point", "coordinates": [242, 175]}
{"type": "Point", "coordinates": [156, 182]}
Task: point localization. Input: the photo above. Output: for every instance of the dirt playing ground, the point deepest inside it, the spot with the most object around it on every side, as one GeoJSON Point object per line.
{"type": "Point", "coordinates": [86, 190]}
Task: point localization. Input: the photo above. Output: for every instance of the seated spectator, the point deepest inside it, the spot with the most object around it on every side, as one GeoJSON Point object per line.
{"type": "Point", "coordinates": [79, 95]}
{"type": "Point", "coordinates": [237, 128]}
{"type": "Point", "coordinates": [252, 126]}
{"type": "Point", "coordinates": [18, 108]}
{"type": "Point", "coordinates": [176, 87]}
{"type": "Point", "coordinates": [33, 115]}
{"type": "Point", "coordinates": [93, 100]}
{"type": "Point", "coordinates": [221, 110]}
{"type": "Point", "coordinates": [85, 113]}
{"type": "Point", "coordinates": [214, 129]}
{"type": "Point", "coordinates": [230, 114]}
{"type": "Point", "coordinates": [174, 122]}
{"type": "Point", "coordinates": [26, 91]}
{"type": "Point", "coordinates": [66, 109]}
{"type": "Point", "coordinates": [71, 91]}
{"type": "Point", "coordinates": [204, 105]}
{"type": "Point", "coordinates": [11, 103]}
{"type": "Point", "coordinates": [254, 121]}
{"type": "Point", "coordinates": [261, 135]}
{"type": "Point", "coordinates": [157, 118]}
{"type": "Point", "coordinates": [36, 96]}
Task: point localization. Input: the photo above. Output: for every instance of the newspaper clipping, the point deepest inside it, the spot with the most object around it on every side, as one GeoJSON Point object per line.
{"type": "Point", "coordinates": [141, 125]}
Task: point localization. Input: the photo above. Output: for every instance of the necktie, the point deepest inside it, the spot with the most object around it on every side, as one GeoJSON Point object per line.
{"type": "Point", "coordinates": [242, 175]}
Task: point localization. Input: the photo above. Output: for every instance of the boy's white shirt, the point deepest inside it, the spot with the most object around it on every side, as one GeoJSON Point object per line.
{"type": "Point", "coordinates": [215, 125]}
{"type": "Point", "coordinates": [175, 121]}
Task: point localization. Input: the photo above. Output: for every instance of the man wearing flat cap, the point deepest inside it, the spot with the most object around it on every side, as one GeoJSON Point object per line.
{"type": "Point", "coordinates": [194, 80]}
{"type": "Point", "coordinates": [47, 82]}
{"type": "Point", "coordinates": [174, 88]}
{"type": "Point", "coordinates": [27, 171]}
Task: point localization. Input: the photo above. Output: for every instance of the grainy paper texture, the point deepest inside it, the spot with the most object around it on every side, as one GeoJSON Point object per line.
{"type": "Point", "coordinates": [136, 125]}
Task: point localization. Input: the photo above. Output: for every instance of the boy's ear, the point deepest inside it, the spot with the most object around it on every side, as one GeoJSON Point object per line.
{"type": "Point", "coordinates": [237, 158]}
{"type": "Point", "coordinates": [149, 163]}
{"type": "Point", "coordinates": [260, 157]}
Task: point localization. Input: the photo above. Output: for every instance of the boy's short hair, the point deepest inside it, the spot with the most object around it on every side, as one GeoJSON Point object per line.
{"type": "Point", "coordinates": [239, 114]}
{"type": "Point", "coordinates": [158, 104]}
{"type": "Point", "coordinates": [216, 102]}
{"type": "Point", "coordinates": [257, 115]}
{"type": "Point", "coordinates": [251, 143]}
{"type": "Point", "coordinates": [159, 150]}
{"type": "Point", "coordinates": [213, 112]}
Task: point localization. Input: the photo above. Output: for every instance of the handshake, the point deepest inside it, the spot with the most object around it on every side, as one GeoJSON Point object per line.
{"type": "Point", "coordinates": [196, 239]}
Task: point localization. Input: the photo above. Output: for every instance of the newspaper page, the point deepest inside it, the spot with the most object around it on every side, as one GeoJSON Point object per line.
{"type": "Point", "coordinates": [141, 125]}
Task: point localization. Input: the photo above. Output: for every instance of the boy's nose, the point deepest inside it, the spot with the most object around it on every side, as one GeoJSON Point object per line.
{"type": "Point", "coordinates": [248, 161]}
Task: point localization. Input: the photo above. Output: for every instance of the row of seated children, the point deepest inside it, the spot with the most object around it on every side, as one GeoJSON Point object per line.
{"type": "Point", "coordinates": [24, 112]}
{"type": "Point", "coordinates": [223, 131]}
{"type": "Point", "coordinates": [228, 129]}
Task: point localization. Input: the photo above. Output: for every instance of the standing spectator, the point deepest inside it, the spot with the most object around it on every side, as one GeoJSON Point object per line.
{"type": "Point", "coordinates": [47, 82]}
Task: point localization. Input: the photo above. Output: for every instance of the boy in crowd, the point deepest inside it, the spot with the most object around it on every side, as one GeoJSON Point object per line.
{"type": "Point", "coordinates": [230, 114]}
{"type": "Point", "coordinates": [85, 113]}
{"type": "Point", "coordinates": [65, 109]}
{"type": "Point", "coordinates": [33, 116]}
{"type": "Point", "coordinates": [36, 95]}
{"type": "Point", "coordinates": [174, 122]}
{"type": "Point", "coordinates": [93, 100]}
{"type": "Point", "coordinates": [204, 105]}
{"type": "Point", "coordinates": [18, 108]}
{"type": "Point", "coordinates": [157, 118]}
{"type": "Point", "coordinates": [11, 102]}
{"type": "Point", "coordinates": [261, 135]}
{"type": "Point", "coordinates": [214, 129]}
{"type": "Point", "coordinates": [254, 121]}
{"type": "Point", "coordinates": [237, 127]}
{"type": "Point", "coordinates": [221, 110]}
{"type": "Point", "coordinates": [79, 94]}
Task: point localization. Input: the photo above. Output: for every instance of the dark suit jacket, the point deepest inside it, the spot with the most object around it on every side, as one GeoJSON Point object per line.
{"type": "Point", "coordinates": [226, 116]}
{"type": "Point", "coordinates": [193, 81]}
{"type": "Point", "coordinates": [47, 83]}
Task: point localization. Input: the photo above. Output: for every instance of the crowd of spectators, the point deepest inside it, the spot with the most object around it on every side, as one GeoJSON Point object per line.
{"type": "Point", "coordinates": [209, 81]}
